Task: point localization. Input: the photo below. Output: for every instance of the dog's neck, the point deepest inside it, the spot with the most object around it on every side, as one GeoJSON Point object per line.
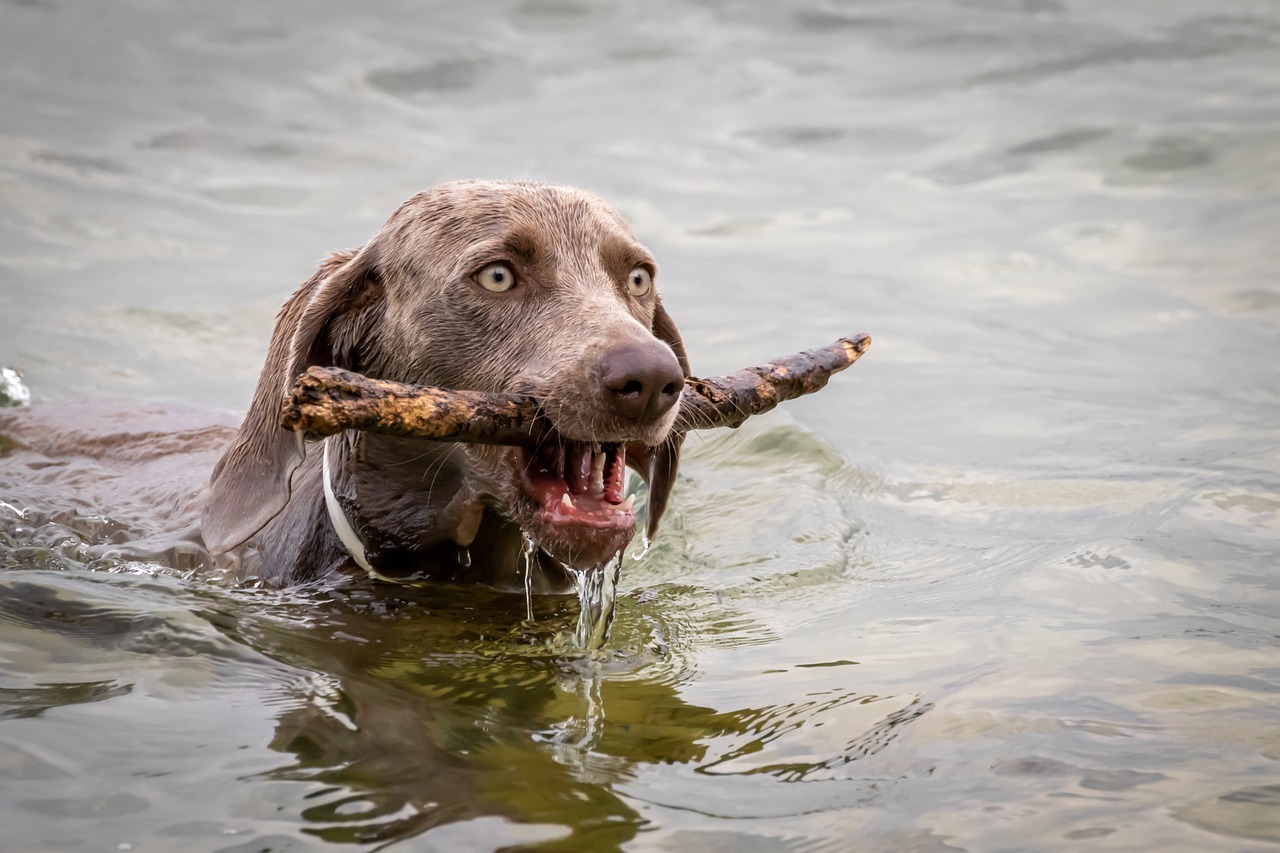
{"type": "Point", "coordinates": [365, 482]}
{"type": "Point", "coordinates": [341, 524]}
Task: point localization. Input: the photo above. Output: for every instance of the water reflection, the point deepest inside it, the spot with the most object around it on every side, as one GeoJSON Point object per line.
{"type": "Point", "coordinates": [33, 701]}
{"type": "Point", "coordinates": [441, 706]}
{"type": "Point", "coordinates": [430, 708]}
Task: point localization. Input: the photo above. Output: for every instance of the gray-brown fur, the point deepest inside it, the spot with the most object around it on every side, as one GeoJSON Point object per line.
{"type": "Point", "coordinates": [405, 307]}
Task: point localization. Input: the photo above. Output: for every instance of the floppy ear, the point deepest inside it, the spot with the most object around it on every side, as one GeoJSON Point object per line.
{"type": "Point", "coordinates": [322, 323]}
{"type": "Point", "coordinates": [666, 459]}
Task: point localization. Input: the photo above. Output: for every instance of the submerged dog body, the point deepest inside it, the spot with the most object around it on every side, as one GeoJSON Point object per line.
{"type": "Point", "coordinates": [504, 287]}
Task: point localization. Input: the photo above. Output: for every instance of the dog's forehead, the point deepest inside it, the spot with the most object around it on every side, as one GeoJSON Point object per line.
{"type": "Point", "coordinates": [446, 220]}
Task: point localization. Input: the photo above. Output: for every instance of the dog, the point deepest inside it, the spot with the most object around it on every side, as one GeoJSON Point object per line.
{"type": "Point", "coordinates": [509, 287]}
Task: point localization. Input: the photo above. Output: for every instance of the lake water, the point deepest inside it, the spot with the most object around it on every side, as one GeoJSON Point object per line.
{"type": "Point", "coordinates": [1009, 583]}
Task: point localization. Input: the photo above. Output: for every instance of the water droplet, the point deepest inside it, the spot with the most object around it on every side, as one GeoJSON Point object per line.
{"type": "Point", "coordinates": [464, 556]}
{"type": "Point", "coordinates": [530, 549]}
{"type": "Point", "coordinates": [644, 543]}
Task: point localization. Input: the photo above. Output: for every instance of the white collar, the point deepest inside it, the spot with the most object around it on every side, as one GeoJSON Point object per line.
{"type": "Point", "coordinates": [342, 525]}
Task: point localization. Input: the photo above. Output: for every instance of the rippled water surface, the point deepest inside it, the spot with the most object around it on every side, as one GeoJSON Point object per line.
{"type": "Point", "coordinates": [1009, 583]}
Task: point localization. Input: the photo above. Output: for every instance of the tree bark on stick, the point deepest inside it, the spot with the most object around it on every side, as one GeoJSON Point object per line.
{"type": "Point", "coordinates": [327, 400]}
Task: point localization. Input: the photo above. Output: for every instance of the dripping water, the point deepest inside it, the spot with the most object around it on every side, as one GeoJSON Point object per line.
{"type": "Point", "coordinates": [464, 556]}
{"type": "Point", "coordinates": [644, 522]}
{"type": "Point", "coordinates": [644, 538]}
{"type": "Point", "coordinates": [530, 550]}
{"type": "Point", "coordinates": [597, 595]}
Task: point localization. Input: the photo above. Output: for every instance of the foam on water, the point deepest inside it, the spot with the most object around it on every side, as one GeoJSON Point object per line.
{"type": "Point", "coordinates": [13, 392]}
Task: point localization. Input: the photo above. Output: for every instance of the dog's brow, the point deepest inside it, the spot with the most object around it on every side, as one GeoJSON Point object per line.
{"type": "Point", "coordinates": [623, 255]}
{"type": "Point", "coordinates": [510, 246]}
{"type": "Point", "coordinates": [521, 246]}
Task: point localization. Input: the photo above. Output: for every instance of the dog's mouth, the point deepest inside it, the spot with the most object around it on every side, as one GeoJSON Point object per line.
{"type": "Point", "coordinates": [578, 512]}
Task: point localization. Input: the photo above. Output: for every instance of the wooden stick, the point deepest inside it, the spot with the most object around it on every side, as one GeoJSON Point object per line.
{"type": "Point", "coordinates": [328, 400]}
{"type": "Point", "coordinates": [727, 401]}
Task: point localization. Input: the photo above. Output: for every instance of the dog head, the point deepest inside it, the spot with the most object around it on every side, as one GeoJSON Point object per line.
{"type": "Point", "coordinates": [502, 287]}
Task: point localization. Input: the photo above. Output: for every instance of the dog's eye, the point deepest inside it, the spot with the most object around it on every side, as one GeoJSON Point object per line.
{"type": "Point", "coordinates": [496, 277]}
{"type": "Point", "coordinates": [639, 282]}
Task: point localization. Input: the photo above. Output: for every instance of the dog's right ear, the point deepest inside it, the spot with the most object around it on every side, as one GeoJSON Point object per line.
{"type": "Point", "coordinates": [322, 323]}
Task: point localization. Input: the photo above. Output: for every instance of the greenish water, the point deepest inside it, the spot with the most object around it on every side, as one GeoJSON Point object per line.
{"type": "Point", "coordinates": [1009, 583]}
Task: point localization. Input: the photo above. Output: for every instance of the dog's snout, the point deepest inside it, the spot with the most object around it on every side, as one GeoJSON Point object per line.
{"type": "Point", "coordinates": [641, 381]}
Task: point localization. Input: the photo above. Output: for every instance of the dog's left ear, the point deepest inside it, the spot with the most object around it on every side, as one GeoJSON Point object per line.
{"type": "Point", "coordinates": [667, 457]}
{"type": "Point", "coordinates": [324, 322]}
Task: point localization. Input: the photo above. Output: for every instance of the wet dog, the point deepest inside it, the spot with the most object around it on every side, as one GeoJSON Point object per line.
{"type": "Point", "coordinates": [504, 287]}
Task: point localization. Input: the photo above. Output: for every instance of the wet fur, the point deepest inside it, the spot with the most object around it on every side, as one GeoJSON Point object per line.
{"type": "Point", "coordinates": [404, 307]}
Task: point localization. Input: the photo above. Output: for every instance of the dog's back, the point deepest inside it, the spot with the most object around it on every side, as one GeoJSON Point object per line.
{"type": "Point", "coordinates": [121, 477]}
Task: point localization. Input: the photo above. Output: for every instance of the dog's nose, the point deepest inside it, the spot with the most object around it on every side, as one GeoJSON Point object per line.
{"type": "Point", "coordinates": [641, 381]}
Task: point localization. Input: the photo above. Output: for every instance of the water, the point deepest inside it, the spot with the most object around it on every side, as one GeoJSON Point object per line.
{"type": "Point", "coordinates": [12, 390]}
{"type": "Point", "coordinates": [527, 560]}
{"type": "Point", "coordinates": [1008, 583]}
{"type": "Point", "coordinates": [597, 599]}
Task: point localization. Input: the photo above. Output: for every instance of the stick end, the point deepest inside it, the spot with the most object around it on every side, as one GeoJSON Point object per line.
{"type": "Point", "coordinates": [855, 346]}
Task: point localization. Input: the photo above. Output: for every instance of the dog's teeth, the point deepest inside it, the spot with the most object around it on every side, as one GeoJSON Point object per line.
{"type": "Point", "coordinates": [626, 505]}
{"type": "Point", "coordinates": [597, 474]}
{"type": "Point", "coordinates": [566, 501]}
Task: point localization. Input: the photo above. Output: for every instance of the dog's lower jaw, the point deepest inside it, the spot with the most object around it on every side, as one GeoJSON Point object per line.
{"type": "Point", "coordinates": [576, 544]}
{"type": "Point", "coordinates": [567, 498]}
